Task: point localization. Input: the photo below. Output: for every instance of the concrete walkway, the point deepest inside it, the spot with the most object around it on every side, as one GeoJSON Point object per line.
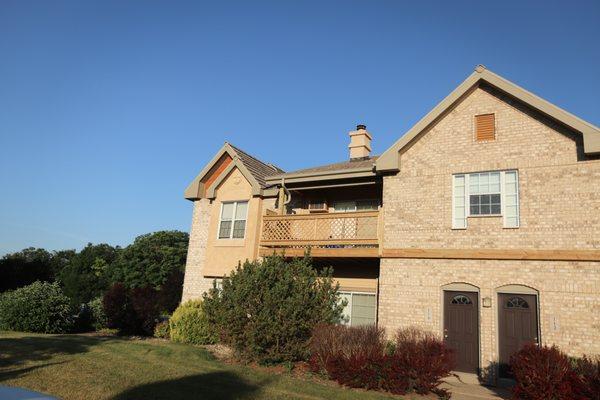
{"type": "Point", "coordinates": [469, 388]}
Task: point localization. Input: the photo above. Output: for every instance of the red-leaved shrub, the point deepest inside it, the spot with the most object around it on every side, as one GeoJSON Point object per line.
{"type": "Point", "coordinates": [356, 357]}
{"type": "Point", "coordinates": [424, 359]}
{"type": "Point", "coordinates": [131, 311]}
{"type": "Point", "coordinates": [543, 373]}
{"type": "Point", "coordinates": [330, 341]}
{"type": "Point", "coordinates": [588, 369]}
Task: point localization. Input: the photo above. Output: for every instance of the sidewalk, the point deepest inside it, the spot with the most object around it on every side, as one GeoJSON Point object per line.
{"type": "Point", "coordinates": [469, 388]}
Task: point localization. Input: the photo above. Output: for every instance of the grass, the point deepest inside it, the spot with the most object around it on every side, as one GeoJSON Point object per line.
{"type": "Point", "coordinates": [92, 367]}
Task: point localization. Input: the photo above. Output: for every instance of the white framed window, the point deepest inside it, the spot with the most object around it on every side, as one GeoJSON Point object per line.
{"type": "Point", "coordinates": [493, 193]}
{"type": "Point", "coordinates": [355, 205]}
{"type": "Point", "coordinates": [360, 309]}
{"type": "Point", "coordinates": [484, 193]}
{"type": "Point", "coordinates": [232, 223]}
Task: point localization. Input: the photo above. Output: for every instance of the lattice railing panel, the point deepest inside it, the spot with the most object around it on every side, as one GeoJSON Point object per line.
{"type": "Point", "coordinates": [320, 229]}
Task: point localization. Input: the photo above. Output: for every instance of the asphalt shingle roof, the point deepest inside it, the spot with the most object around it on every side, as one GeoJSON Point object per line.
{"type": "Point", "coordinates": [257, 168]}
{"type": "Point", "coordinates": [350, 164]}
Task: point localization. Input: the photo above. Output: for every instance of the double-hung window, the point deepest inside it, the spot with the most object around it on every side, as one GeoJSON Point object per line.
{"type": "Point", "coordinates": [232, 224]}
{"type": "Point", "coordinates": [360, 309]}
{"type": "Point", "coordinates": [493, 193]}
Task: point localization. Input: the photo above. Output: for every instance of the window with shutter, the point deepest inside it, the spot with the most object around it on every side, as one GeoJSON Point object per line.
{"type": "Point", "coordinates": [485, 127]}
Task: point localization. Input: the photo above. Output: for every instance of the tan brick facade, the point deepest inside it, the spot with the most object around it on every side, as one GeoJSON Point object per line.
{"type": "Point", "coordinates": [194, 283]}
{"type": "Point", "coordinates": [559, 209]}
{"type": "Point", "coordinates": [410, 293]}
{"type": "Point", "coordinates": [559, 192]}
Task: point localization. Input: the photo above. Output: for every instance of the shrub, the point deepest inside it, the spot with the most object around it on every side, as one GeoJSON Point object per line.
{"type": "Point", "coordinates": [588, 369]}
{"type": "Point", "coordinates": [131, 311]}
{"type": "Point", "coordinates": [329, 341]}
{"type": "Point", "coordinates": [188, 324]}
{"type": "Point", "coordinates": [424, 359]}
{"type": "Point", "coordinates": [98, 316]}
{"type": "Point", "coordinates": [266, 310]}
{"type": "Point", "coordinates": [162, 330]}
{"type": "Point", "coordinates": [40, 307]}
{"type": "Point", "coordinates": [360, 357]}
{"type": "Point", "coordinates": [544, 373]}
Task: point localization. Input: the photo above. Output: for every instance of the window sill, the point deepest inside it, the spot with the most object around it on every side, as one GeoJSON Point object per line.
{"type": "Point", "coordinates": [230, 243]}
{"type": "Point", "coordinates": [485, 216]}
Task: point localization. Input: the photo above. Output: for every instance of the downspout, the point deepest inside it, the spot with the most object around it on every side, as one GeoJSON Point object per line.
{"type": "Point", "coordinates": [285, 197]}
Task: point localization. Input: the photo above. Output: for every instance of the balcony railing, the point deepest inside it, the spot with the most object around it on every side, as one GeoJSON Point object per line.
{"type": "Point", "coordinates": [328, 230]}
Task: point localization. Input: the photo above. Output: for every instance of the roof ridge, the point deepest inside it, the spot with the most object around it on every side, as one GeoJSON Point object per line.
{"type": "Point", "coordinates": [269, 165]}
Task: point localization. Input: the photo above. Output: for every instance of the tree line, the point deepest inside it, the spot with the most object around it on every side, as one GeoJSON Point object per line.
{"type": "Point", "coordinates": [154, 260]}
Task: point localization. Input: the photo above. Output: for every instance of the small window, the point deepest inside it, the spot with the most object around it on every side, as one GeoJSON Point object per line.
{"type": "Point", "coordinates": [485, 127]}
{"type": "Point", "coordinates": [516, 302]}
{"type": "Point", "coordinates": [360, 309]}
{"type": "Point", "coordinates": [232, 224]}
{"type": "Point", "coordinates": [316, 205]}
{"type": "Point", "coordinates": [461, 299]}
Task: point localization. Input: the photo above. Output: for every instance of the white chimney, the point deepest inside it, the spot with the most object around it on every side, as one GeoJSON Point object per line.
{"type": "Point", "coordinates": [360, 142]}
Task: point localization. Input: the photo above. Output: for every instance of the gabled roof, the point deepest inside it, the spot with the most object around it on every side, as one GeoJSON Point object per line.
{"type": "Point", "coordinates": [257, 168]}
{"type": "Point", "coordinates": [251, 167]}
{"type": "Point", "coordinates": [390, 160]}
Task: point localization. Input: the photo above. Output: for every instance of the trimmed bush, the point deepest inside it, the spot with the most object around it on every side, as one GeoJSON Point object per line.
{"type": "Point", "coordinates": [544, 373]}
{"type": "Point", "coordinates": [131, 311]}
{"type": "Point", "coordinates": [266, 310]}
{"type": "Point", "coordinates": [40, 307]}
{"type": "Point", "coordinates": [359, 357]}
{"type": "Point", "coordinates": [188, 324]}
{"type": "Point", "coordinates": [162, 330]}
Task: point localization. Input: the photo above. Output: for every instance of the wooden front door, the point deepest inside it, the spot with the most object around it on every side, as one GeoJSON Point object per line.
{"type": "Point", "coordinates": [518, 325]}
{"type": "Point", "coordinates": [461, 328]}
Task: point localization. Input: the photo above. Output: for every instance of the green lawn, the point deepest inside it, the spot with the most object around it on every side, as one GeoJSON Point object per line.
{"type": "Point", "coordinates": [91, 367]}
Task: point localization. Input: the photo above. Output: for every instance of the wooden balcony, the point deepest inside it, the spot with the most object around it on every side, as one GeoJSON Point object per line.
{"type": "Point", "coordinates": [352, 234]}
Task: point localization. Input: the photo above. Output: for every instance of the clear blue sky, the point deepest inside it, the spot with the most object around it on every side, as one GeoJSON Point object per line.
{"type": "Point", "coordinates": [109, 108]}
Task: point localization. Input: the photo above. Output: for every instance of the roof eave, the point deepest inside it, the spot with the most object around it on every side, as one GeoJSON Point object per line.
{"type": "Point", "coordinates": [321, 175]}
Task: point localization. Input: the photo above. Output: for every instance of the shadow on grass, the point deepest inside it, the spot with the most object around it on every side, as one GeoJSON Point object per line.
{"type": "Point", "coordinates": [16, 351]}
{"type": "Point", "coordinates": [209, 386]}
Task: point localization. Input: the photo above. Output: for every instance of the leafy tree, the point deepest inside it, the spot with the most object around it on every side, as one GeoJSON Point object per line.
{"type": "Point", "coordinates": [151, 259]}
{"type": "Point", "coordinates": [85, 276]}
{"type": "Point", "coordinates": [267, 309]}
{"type": "Point", "coordinates": [25, 267]}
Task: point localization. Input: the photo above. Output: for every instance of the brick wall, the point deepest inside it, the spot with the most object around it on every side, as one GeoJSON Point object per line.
{"type": "Point", "coordinates": [560, 205]}
{"type": "Point", "coordinates": [194, 283]}
{"type": "Point", "coordinates": [410, 293]}
{"type": "Point", "coordinates": [559, 191]}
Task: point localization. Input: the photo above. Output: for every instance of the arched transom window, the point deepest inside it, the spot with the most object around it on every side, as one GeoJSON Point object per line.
{"type": "Point", "coordinates": [516, 302]}
{"type": "Point", "coordinates": [461, 299]}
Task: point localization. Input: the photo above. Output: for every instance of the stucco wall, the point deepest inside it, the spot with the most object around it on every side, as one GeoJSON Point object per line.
{"type": "Point", "coordinates": [210, 257]}
{"type": "Point", "coordinates": [222, 255]}
{"type": "Point", "coordinates": [560, 205]}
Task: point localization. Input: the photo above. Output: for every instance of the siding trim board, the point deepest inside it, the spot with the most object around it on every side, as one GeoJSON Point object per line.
{"type": "Point", "coordinates": [494, 254]}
